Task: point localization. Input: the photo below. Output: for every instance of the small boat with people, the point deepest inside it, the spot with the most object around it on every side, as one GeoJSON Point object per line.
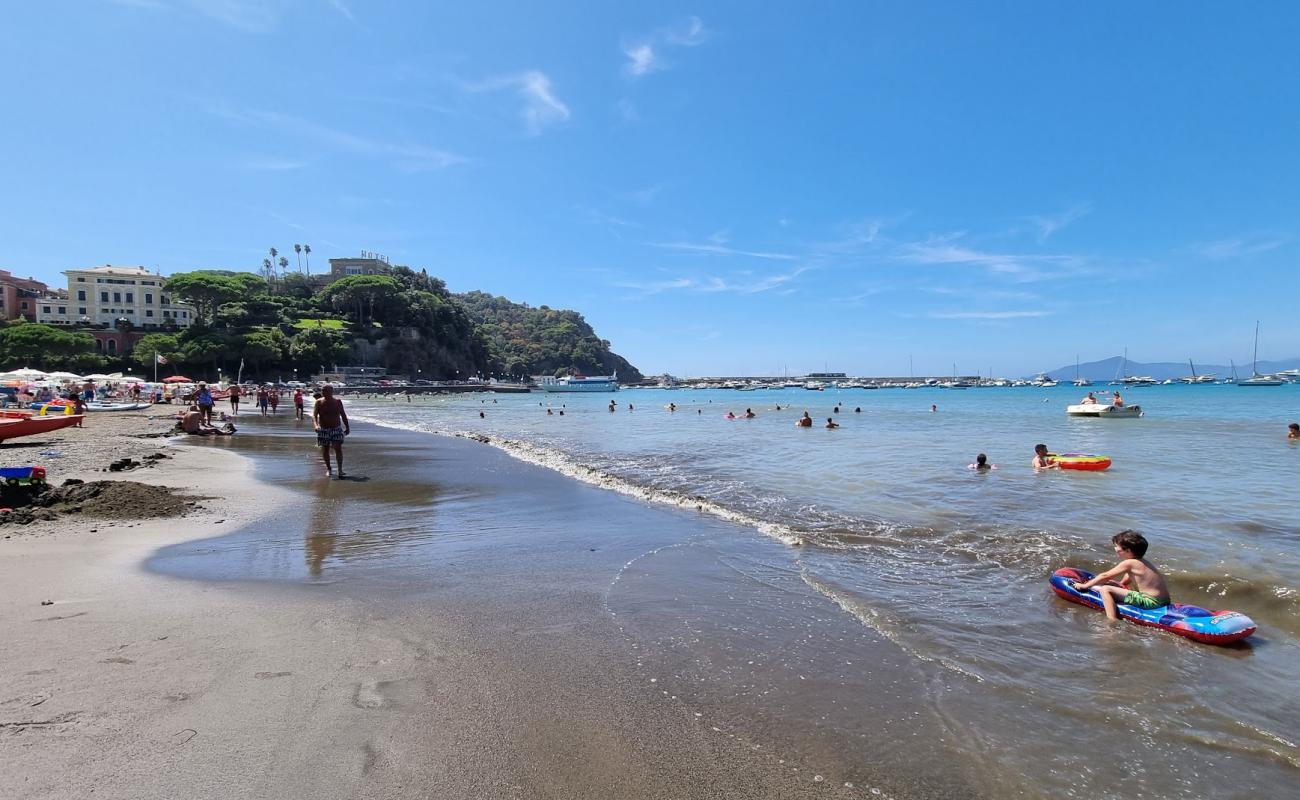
{"type": "Point", "coordinates": [1103, 411]}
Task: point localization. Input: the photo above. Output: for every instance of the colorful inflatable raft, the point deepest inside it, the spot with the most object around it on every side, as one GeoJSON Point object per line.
{"type": "Point", "coordinates": [1083, 461]}
{"type": "Point", "coordinates": [1194, 622]}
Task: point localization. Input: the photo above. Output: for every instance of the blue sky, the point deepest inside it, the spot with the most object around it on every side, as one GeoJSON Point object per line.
{"type": "Point", "coordinates": [721, 188]}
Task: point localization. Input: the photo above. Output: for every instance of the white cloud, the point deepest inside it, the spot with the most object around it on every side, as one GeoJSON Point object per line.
{"type": "Point", "coordinates": [645, 54]}
{"type": "Point", "coordinates": [740, 283]}
{"type": "Point", "coordinates": [713, 248]}
{"type": "Point", "coordinates": [1023, 267]}
{"type": "Point", "coordinates": [641, 59]}
{"type": "Point", "coordinates": [1048, 225]}
{"type": "Point", "coordinates": [988, 314]}
{"type": "Point", "coordinates": [412, 157]}
{"type": "Point", "coordinates": [1239, 247]}
{"type": "Point", "coordinates": [541, 107]}
{"type": "Point", "coordinates": [342, 8]}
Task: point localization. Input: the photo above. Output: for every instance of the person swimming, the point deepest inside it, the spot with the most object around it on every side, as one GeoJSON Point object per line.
{"type": "Point", "coordinates": [730, 415]}
{"type": "Point", "coordinates": [857, 410]}
{"type": "Point", "coordinates": [749, 413]}
{"type": "Point", "coordinates": [831, 423]}
{"type": "Point", "coordinates": [982, 463]}
{"type": "Point", "coordinates": [805, 421]}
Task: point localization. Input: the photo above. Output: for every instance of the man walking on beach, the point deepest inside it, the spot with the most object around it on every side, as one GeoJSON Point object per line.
{"type": "Point", "coordinates": [331, 424]}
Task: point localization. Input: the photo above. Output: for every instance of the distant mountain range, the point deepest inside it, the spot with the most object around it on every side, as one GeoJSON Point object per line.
{"type": "Point", "coordinates": [1107, 369]}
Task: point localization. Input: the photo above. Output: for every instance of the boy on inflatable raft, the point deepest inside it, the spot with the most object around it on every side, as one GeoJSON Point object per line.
{"type": "Point", "coordinates": [1148, 589]}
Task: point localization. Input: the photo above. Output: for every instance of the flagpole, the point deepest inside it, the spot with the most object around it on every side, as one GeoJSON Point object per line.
{"type": "Point", "coordinates": [155, 366]}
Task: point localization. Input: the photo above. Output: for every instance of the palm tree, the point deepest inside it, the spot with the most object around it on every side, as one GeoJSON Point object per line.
{"type": "Point", "coordinates": [267, 269]}
{"type": "Point", "coordinates": [306, 249]}
{"type": "Point", "coordinates": [297, 249]}
{"type": "Point", "coordinates": [274, 253]}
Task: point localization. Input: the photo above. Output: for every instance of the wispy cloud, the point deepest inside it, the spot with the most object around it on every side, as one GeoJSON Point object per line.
{"type": "Point", "coordinates": [1023, 267]}
{"type": "Point", "coordinates": [541, 107]}
{"type": "Point", "coordinates": [343, 9]}
{"type": "Point", "coordinates": [739, 283]}
{"type": "Point", "coordinates": [645, 54]}
{"type": "Point", "coordinates": [412, 157]}
{"type": "Point", "coordinates": [1240, 247]}
{"type": "Point", "coordinates": [714, 248]}
{"type": "Point", "coordinates": [988, 314]}
{"type": "Point", "coordinates": [1050, 224]}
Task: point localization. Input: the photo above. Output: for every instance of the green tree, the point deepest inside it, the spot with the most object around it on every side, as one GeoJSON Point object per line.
{"type": "Point", "coordinates": [264, 348]}
{"type": "Point", "coordinates": [206, 291]}
{"type": "Point", "coordinates": [42, 346]}
{"type": "Point", "coordinates": [313, 348]}
{"type": "Point", "coordinates": [360, 295]}
{"type": "Point", "coordinates": [204, 350]}
{"type": "Point", "coordinates": [166, 345]}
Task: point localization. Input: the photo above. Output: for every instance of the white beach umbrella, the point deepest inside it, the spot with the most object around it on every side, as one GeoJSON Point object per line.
{"type": "Point", "coordinates": [26, 373]}
{"type": "Point", "coordinates": [64, 376]}
{"type": "Point", "coordinates": [131, 379]}
{"type": "Point", "coordinates": [99, 376]}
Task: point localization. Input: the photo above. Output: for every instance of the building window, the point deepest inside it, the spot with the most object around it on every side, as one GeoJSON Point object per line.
{"type": "Point", "coordinates": [117, 297]}
{"type": "Point", "coordinates": [45, 309]}
{"type": "Point", "coordinates": [165, 301]}
{"type": "Point", "coordinates": [63, 310]}
{"type": "Point", "coordinates": [112, 345]}
{"type": "Point", "coordinates": [148, 298]}
{"type": "Point", "coordinates": [81, 280]}
{"type": "Point", "coordinates": [81, 295]}
{"type": "Point", "coordinates": [130, 297]}
{"type": "Point", "coordinates": [81, 311]}
{"type": "Point", "coordinates": [103, 297]}
{"type": "Point", "coordinates": [166, 313]}
{"type": "Point", "coordinates": [148, 312]}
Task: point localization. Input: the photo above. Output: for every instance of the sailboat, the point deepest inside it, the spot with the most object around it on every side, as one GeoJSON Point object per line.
{"type": "Point", "coordinates": [1194, 378]}
{"type": "Point", "coordinates": [1256, 379]}
{"type": "Point", "coordinates": [1077, 380]}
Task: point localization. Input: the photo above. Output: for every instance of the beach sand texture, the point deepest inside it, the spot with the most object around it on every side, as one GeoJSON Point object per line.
{"type": "Point", "coordinates": [498, 673]}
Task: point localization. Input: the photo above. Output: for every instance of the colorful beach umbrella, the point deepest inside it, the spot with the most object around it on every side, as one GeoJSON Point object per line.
{"type": "Point", "coordinates": [177, 379]}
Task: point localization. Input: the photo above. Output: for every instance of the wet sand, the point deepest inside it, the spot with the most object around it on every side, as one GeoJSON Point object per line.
{"type": "Point", "coordinates": [440, 627]}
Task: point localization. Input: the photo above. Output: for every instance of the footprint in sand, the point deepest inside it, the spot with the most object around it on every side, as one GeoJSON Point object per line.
{"type": "Point", "coordinates": [118, 660]}
{"type": "Point", "coordinates": [268, 675]}
{"type": "Point", "coordinates": [368, 696]}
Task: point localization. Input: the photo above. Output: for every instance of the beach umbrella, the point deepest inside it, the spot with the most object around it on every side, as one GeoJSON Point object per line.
{"type": "Point", "coordinates": [98, 376]}
{"type": "Point", "coordinates": [26, 373]}
{"type": "Point", "coordinates": [64, 376]}
{"type": "Point", "coordinates": [177, 379]}
{"type": "Point", "coordinates": [131, 379]}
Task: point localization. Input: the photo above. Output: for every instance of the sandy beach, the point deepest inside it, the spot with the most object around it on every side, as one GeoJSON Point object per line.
{"type": "Point", "coordinates": [496, 677]}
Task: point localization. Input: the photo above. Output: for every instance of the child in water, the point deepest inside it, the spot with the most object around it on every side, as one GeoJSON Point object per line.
{"type": "Point", "coordinates": [1140, 585]}
{"type": "Point", "coordinates": [982, 463]}
{"type": "Point", "coordinates": [1293, 430]}
{"type": "Point", "coordinates": [831, 423]}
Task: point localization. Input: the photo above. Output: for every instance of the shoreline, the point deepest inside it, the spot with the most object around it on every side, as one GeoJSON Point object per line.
{"type": "Point", "coordinates": [138, 683]}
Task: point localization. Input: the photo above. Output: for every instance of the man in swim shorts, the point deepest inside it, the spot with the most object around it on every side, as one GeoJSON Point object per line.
{"type": "Point", "coordinates": [332, 426]}
{"type": "Point", "coordinates": [1140, 584]}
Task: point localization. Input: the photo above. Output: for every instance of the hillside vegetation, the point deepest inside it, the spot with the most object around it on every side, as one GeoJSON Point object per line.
{"type": "Point", "coordinates": [405, 321]}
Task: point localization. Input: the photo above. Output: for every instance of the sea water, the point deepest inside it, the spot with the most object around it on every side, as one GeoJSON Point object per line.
{"type": "Point", "coordinates": [884, 521]}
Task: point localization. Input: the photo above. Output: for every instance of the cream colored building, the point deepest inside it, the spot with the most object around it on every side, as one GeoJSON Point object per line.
{"type": "Point", "coordinates": [103, 295]}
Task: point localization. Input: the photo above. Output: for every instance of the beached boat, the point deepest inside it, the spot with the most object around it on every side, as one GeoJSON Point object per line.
{"type": "Point", "coordinates": [1103, 410]}
{"type": "Point", "coordinates": [579, 383]}
{"type": "Point", "coordinates": [13, 427]}
{"type": "Point", "coordinates": [115, 406]}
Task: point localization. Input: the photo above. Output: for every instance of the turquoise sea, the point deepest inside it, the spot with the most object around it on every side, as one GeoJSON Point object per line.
{"type": "Point", "coordinates": [882, 521]}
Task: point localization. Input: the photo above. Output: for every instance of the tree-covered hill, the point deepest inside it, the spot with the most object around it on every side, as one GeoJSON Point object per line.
{"type": "Point", "coordinates": [525, 340]}
{"type": "Point", "coordinates": [405, 321]}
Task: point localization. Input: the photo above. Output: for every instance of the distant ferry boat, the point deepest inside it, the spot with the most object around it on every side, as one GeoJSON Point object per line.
{"type": "Point", "coordinates": [579, 383]}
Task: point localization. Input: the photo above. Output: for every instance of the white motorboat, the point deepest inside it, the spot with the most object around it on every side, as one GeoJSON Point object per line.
{"type": "Point", "coordinates": [1104, 411]}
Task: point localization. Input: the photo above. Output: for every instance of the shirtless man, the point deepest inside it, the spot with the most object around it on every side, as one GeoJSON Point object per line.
{"type": "Point", "coordinates": [331, 424]}
{"type": "Point", "coordinates": [1042, 460]}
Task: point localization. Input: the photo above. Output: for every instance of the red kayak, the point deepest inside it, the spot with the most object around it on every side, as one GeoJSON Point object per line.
{"type": "Point", "coordinates": [12, 427]}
